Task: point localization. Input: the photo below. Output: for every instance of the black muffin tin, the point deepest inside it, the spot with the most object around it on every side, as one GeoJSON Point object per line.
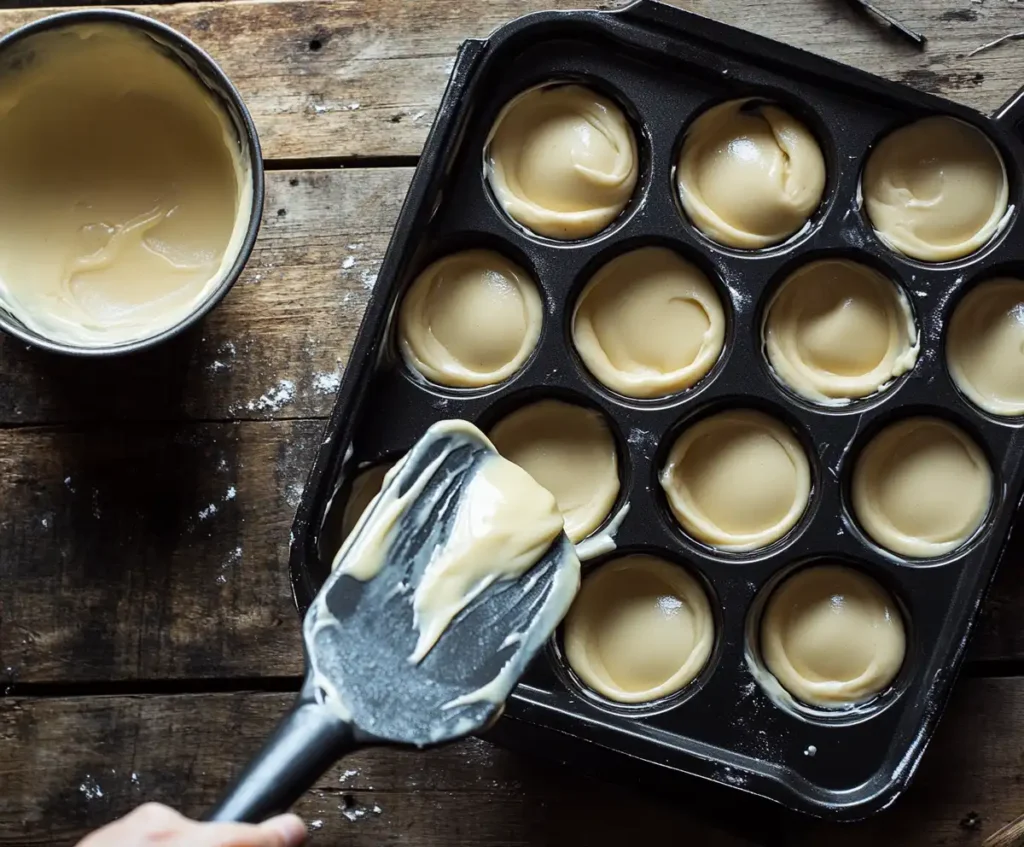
{"type": "Point", "coordinates": [664, 67]}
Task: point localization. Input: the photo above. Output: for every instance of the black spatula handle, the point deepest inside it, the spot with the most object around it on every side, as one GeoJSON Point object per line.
{"type": "Point", "coordinates": [307, 741]}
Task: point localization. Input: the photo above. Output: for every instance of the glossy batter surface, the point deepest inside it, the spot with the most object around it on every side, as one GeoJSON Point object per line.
{"type": "Point", "coordinates": [470, 319]}
{"type": "Point", "coordinates": [738, 480]}
{"type": "Point", "coordinates": [750, 175]}
{"type": "Point", "coordinates": [124, 198]}
{"type": "Point", "coordinates": [365, 487]}
{"type": "Point", "coordinates": [936, 189]}
{"type": "Point", "coordinates": [985, 346]}
{"type": "Point", "coordinates": [832, 636]}
{"type": "Point", "coordinates": [837, 330]}
{"type": "Point", "coordinates": [649, 323]}
{"type": "Point", "coordinates": [640, 628]}
{"type": "Point", "coordinates": [570, 451]}
{"type": "Point", "coordinates": [921, 487]}
{"type": "Point", "coordinates": [562, 161]}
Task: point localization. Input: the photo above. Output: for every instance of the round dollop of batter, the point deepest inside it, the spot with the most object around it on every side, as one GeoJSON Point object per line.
{"type": "Point", "coordinates": [936, 190]}
{"type": "Point", "coordinates": [365, 487]}
{"type": "Point", "coordinates": [649, 324]}
{"type": "Point", "coordinates": [125, 195]}
{"type": "Point", "coordinates": [985, 346]}
{"type": "Point", "coordinates": [639, 629]}
{"type": "Point", "coordinates": [750, 175]}
{"type": "Point", "coordinates": [570, 451]}
{"type": "Point", "coordinates": [837, 330]}
{"type": "Point", "coordinates": [470, 319]}
{"type": "Point", "coordinates": [832, 636]}
{"type": "Point", "coordinates": [921, 487]}
{"type": "Point", "coordinates": [562, 161]}
{"type": "Point", "coordinates": [738, 480]}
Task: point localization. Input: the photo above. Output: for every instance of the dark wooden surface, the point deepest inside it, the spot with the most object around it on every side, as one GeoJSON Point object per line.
{"type": "Point", "coordinates": [147, 635]}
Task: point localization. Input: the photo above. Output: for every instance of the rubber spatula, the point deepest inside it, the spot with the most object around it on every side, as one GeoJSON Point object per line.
{"type": "Point", "coordinates": [367, 680]}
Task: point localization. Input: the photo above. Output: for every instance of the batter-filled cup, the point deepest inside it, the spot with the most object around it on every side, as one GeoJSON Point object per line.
{"type": "Point", "coordinates": [640, 629]}
{"type": "Point", "coordinates": [936, 189]}
{"type": "Point", "coordinates": [832, 636]}
{"type": "Point", "coordinates": [739, 480]}
{"type": "Point", "coordinates": [131, 182]}
{"type": "Point", "coordinates": [921, 487]}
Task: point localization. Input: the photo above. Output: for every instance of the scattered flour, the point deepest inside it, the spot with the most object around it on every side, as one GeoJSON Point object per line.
{"type": "Point", "coordinates": [280, 395]}
{"type": "Point", "coordinates": [208, 512]}
{"type": "Point", "coordinates": [326, 382]}
{"type": "Point", "coordinates": [347, 775]}
{"type": "Point", "coordinates": [348, 263]}
{"type": "Point", "coordinates": [316, 826]}
{"type": "Point", "coordinates": [230, 494]}
{"type": "Point", "coordinates": [368, 278]}
{"type": "Point", "coordinates": [293, 494]}
{"type": "Point", "coordinates": [90, 788]}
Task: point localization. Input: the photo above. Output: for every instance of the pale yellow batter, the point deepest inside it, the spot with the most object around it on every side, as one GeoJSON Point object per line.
{"type": "Point", "coordinates": [750, 175]}
{"type": "Point", "coordinates": [562, 161]}
{"type": "Point", "coordinates": [570, 451]}
{"type": "Point", "coordinates": [738, 480]}
{"type": "Point", "coordinates": [504, 523]}
{"type": "Point", "coordinates": [921, 487]}
{"type": "Point", "coordinates": [365, 487]}
{"type": "Point", "coordinates": [640, 628]}
{"type": "Point", "coordinates": [936, 190]}
{"type": "Point", "coordinates": [649, 323]}
{"type": "Point", "coordinates": [837, 330]}
{"type": "Point", "coordinates": [124, 193]}
{"type": "Point", "coordinates": [832, 636]}
{"type": "Point", "coordinates": [470, 319]}
{"type": "Point", "coordinates": [985, 346]}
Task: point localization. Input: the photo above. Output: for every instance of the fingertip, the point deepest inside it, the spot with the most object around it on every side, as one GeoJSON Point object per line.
{"type": "Point", "coordinates": [289, 829]}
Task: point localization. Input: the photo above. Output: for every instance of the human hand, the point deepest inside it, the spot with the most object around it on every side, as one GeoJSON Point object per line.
{"type": "Point", "coordinates": [153, 824]}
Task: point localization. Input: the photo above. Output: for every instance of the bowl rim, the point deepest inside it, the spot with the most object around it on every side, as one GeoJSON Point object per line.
{"type": "Point", "coordinates": [212, 71]}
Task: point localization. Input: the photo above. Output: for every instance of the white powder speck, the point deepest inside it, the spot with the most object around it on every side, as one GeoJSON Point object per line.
{"type": "Point", "coordinates": [90, 788]}
{"type": "Point", "coordinates": [134, 778]}
{"type": "Point", "coordinates": [222, 465]}
{"type": "Point", "coordinates": [418, 116]}
{"type": "Point", "coordinates": [346, 775]}
{"type": "Point", "coordinates": [326, 382]}
{"type": "Point", "coordinates": [228, 347]}
{"type": "Point", "coordinates": [353, 813]}
{"type": "Point", "coordinates": [221, 579]}
{"type": "Point", "coordinates": [348, 263]}
{"type": "Point", "coordinates": [376, 809]}
{"type": "Point", "coordinates": [320, 108]}
{"type": "Point", "coordinates": [216, 365]}
{"type": "Point", "coordinates": [356, 246]}
{"type": "Point", "coordinates": [208, 512]}
{"type": "Point", "coordinates": [811, 751]}
{"type": "Point", "coordinates": [280, 395]}
{"type": "Point", "coordinates": [351, 107]}
{"type": "Point", "coordinates": [67, 482]}
{"type": "Point", "coordinates": [316, 826]}
{"type": "Point", "coordinates": [45, 522]}
{"type": "Point", "coordinates": [347, 298]}
{"type": "Point", "coordinates": [293, 493]}
{"type": "Point", "coordinates": [368, 278]}
{"type": "Point", "coordinates": [230, 495]}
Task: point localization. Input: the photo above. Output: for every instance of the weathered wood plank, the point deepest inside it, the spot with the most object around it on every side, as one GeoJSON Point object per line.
{"type": "Point", "coordinates": [345, 78]}
{"type": "Point", "coordinates": [275, 346]}
{"type": "Point", "coordinates": [159, 552]}
{"type": "Point", "coordinates": [149, 553]}
{"type": "Point", "coordinates": [69, 765]}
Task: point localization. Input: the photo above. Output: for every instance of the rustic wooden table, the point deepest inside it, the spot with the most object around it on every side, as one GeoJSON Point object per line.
{"type": "Point", "coordinates": [148, 639]}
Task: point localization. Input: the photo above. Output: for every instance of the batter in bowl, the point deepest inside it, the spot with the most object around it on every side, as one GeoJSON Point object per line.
{"type": "Point", "coordinates": [125, 195]}
{"type": "Point", "coordinates": [469, 320]}
{"type": "Point", "coordinates": [750, 175]}
{"type": "Point", "coordinates": [649, 324]}
{"type": "Point", "coordinates": [640, 629]}
{"type": "Point", "coordinates": [738, 480]}
{"type": "Point", "coordinates": [562, 161]}
{"type": "Point", "coordinates": [570, 451]}
{"type": "Point", "coordinates": [936, 190]}
{"type": "Point", "coordinates": [832, 636]}
{"type": "Point", "coordinates": [985, 346]}
{"type": "Point", "coordinates": [836, 331]}
{"type": "Point", "coordinates": [921, 487]}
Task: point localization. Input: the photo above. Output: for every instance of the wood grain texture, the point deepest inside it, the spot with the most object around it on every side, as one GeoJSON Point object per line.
{"type": "Point", "coordinates": [344, 78]}
{"type": "Point", "coordinates": [152, 553]}
{"type": "Point", "coordinates": [73, 764]}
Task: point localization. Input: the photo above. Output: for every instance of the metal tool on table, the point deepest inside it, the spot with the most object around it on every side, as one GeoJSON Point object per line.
{"type": "Point", "coordinates": [872, 11]}
{"type": "Point", "coordinates": [365, 683]}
